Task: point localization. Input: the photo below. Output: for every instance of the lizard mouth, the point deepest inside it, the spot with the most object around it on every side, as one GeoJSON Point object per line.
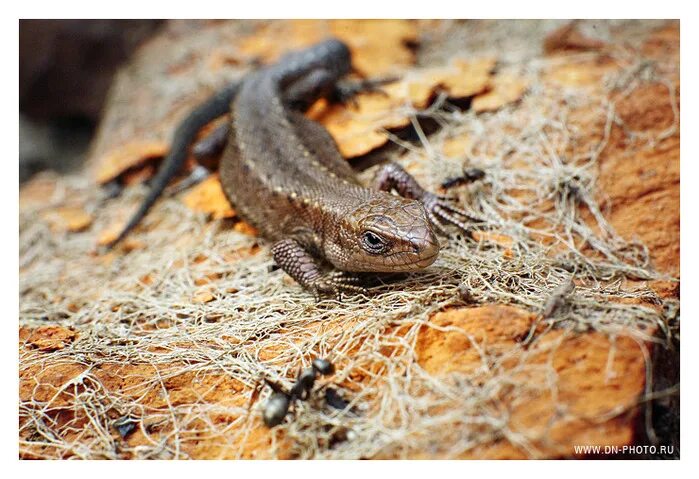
{"type": "Point", "coordinates": [425, 262]}
{"type": "Point", "coordinates": [407, 265]}
{"type": "Point", "coordinates": [396, 263]}
{"type": "Point", "coordinates": [422, 263]}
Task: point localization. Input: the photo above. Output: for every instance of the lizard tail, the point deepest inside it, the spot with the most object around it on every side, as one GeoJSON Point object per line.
{"type": "Point", "coordinates": [214, 107]}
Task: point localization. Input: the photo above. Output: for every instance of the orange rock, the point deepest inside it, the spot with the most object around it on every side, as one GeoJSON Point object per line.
{"type": "Point", "coordinates": [378, 46]}
{"type": "Point", "coordinates": [68, 218]}
{"type": "Point", "coordinates": [643, 190]}
{"type": "Point", "coordinates": [49, 338]}
{"type": "Point", "coordinates": [597, 378]}
{"type": "Point", "coordinates": [208, 197]}
{"type": "Point", "coordinates": [128, 155]}
{"type": "Point", "coordinates": [506, 89]}
{"type": "Point", "coordinates": [587, 74]}
{"type": "Point", "coordinates": [207, 279]}
{"type": "Point", "coordinates": [500, 239]}
{"type": "Point", "coordinates": [457, 146]}
{"type": "Point", "coordinates": [36, 190]}
{"type": "Point", "coordinates": [134, 176]}
{"type": "Point", "coordinates": [362, 126]}
{"type": "Point", "coordinates": [200, 258]}
{"type": "Point", "coordinates": [246, 229]}
{"type": "Point", "coordinates": [112, 232]}
{"type": "Point", "coordinates": [203, 296]}
{"type": "Point", "coordinates": [454, 338]}
{"type": "Point", "coordinates": [464, 78]}
{"type": "Point", "coordinates": [568, 38]}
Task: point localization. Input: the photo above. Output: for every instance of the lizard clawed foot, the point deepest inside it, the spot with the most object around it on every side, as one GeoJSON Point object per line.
{"type": "Point", "coordinates": [440, 211]}
{"type": "Point", "coordinates": [345, 92]}
{"type": "Point", "coordinates": [291, 256]}
{"type": "Point", "coordinates": [198, 174]}
{"type": "Point", "coordinates": [335, 284]}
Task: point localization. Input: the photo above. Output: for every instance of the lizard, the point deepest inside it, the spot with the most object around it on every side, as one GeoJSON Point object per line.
{"type": "Point", "coordinates": [284, 174]}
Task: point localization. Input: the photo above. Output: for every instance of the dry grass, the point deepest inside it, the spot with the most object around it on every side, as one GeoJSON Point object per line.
{"type": "Point", "coordinates": [134, 312]}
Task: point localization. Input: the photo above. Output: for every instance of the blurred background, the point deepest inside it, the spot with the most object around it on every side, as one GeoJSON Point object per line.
{"type": "Point", "coordinates": [65, 70]}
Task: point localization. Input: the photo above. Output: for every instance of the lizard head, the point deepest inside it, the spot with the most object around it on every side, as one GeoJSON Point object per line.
{"type": "Point", "coordinates": [385, 234]}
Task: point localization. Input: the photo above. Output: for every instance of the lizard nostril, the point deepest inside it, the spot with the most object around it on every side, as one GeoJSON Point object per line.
{"type": "Point", "coordinates": [416, 245]}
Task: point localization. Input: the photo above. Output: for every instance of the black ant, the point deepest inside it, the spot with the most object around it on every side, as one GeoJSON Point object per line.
{"type": "Point", "coordinates": [469, 176]}
{"type": "Point", "coordinates": [279, 402]}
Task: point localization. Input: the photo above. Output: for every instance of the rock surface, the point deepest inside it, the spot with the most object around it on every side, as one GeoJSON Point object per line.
{"type": "Point", "coordinates": [564, 388]}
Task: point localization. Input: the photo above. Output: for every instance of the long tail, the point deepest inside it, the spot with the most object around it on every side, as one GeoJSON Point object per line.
{"type": "Point", "coordinates": [216, 106]}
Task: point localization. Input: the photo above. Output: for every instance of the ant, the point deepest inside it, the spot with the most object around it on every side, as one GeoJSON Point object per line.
{"type": "Point", "coordinates": [278, 404]}
{"type": "Point", "coordinates": [469, 176]}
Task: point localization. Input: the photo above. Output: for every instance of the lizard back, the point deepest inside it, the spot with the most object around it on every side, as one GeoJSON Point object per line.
{"type": "Point", "coordinates": [281, 170]}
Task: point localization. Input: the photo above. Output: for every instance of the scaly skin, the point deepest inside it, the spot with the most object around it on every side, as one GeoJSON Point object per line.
{"type": "Point", "coordinates": [285, 175]}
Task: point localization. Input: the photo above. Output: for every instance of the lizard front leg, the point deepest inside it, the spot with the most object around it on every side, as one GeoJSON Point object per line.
{"type": "Point", "coordinates": [298, 263]}
{"type": "Point", "coordinates": [439, 208]}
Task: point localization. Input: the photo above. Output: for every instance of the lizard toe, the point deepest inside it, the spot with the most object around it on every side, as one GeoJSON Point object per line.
{"type": "Point", "coordinates": [336, 284]}
{"type": "Point", "coordinates": [440, 210]}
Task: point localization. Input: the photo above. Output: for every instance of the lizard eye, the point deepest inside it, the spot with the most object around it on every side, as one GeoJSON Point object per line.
{"type": "Point", "coordinates": [373, 243]}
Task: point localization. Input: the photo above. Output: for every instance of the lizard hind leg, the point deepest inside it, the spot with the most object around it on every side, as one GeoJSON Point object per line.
{"type": "Point", "coordinates": [212, 145]}
{"type": "Point", "coordinates": [345, 91]}
{"type": "Point", "coordinates": [298, 263]}
{"type": "Point", "coordinates": [206, 151]}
